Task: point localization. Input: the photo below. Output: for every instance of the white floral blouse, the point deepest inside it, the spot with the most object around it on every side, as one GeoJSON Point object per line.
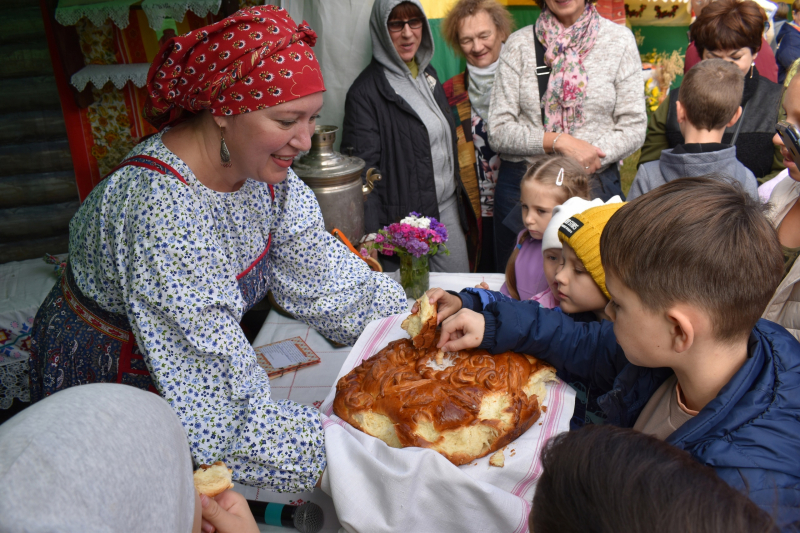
{"type": "Point", "coordinates": [167, 255]}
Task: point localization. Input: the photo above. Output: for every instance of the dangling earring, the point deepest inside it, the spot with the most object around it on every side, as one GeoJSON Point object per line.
{"type": "Point", "coordinates": [224, 154]}
{"type": "Point", "coordinates": [752, 65]}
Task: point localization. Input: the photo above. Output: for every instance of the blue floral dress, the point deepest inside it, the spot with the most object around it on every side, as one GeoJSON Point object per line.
{"type": "Point", "coordinates": [155, 253]}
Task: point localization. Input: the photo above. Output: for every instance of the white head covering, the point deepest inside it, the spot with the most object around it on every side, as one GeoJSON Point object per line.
{"type": "Point", "coordinates": [562, 212]}
{"type": "Point", "coordinates": [96, 458]}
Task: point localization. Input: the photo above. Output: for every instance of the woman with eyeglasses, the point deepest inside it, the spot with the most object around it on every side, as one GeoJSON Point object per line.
{"type": "Point", "coordinates": [729, 30]}
{"type": "Point", "coordinates": [397, 119]}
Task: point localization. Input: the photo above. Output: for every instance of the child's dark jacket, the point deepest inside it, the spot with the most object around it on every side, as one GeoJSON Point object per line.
{"type": "Point", "coordinates": [750, 433]}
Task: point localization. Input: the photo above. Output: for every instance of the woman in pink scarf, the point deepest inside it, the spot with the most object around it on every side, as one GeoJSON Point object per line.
{"type": "Point", "coordinates": [588, 107]}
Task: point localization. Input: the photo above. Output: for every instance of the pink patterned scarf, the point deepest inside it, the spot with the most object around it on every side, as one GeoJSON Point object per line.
{"type": "Point", "coordinates": [566, 48]}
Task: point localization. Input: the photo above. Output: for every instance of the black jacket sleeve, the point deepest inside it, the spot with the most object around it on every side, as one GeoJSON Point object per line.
{"type": "Point", "coordinates": [361, 138]}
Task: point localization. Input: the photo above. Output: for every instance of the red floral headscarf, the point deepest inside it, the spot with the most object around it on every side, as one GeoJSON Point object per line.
{"type": "Point", "coordinates": [256, 58]}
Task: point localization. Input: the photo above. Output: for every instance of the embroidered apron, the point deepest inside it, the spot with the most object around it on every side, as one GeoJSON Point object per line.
{"type": "Point", "coordinates": [75, 341]}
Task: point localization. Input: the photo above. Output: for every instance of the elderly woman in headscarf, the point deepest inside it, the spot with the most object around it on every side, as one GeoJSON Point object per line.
{"type": "Point", "coordinates": [477, 29]}
{"type": "Point", "coordinates": [397, 119]}
{"type": "Point", "coordinates": [191, 230]}
{"type": "Point", "coordinates": [590, 108]}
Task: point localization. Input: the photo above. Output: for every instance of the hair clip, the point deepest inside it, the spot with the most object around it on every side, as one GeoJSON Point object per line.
{"type": "Point", "coordinates": [560, 177]}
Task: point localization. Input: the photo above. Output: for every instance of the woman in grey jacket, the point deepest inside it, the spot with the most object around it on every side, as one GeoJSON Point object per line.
{"type": "Point", "coordinates": [592, 109]}
{"type": "Point", "coordinates": [397, 119]}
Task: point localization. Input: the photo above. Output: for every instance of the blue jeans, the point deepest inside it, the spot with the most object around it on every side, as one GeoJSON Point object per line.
{"type": "Point", "coordinates": [506, 198]}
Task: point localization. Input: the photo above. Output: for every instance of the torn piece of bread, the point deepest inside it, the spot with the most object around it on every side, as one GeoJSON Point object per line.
{"type": "Point", "coordinates": [212, 480]}
{"type": "Point", "coordinates": [421, 326]}
{"type": "Point", "coordinates": [498, 459]}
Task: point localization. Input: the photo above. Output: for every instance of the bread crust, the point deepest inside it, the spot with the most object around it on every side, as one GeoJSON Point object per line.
{"type": "Point", "coordinates": [472, 405]}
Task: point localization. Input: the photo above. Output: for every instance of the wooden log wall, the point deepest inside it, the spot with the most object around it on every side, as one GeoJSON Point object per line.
{"type": "Point", "coordinates": [38, 195]}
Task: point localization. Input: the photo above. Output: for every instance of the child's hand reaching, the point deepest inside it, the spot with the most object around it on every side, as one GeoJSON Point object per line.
{"type": "Point", "coordinates": [461, 331]}
{"type": "Point", "coordinates": [448, 304]}
{"type": "Point", "coordinates": [482, 285]}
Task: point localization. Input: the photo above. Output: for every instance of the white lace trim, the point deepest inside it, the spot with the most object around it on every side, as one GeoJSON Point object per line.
{"type": "Point", "coordinates": [119, 75]}
{"type": "Point", "coordinates": [14, 383]}
{"type": "Point", "coordinates": [158, 10]}
{"type": "Point", "coordinates": [117, 11]}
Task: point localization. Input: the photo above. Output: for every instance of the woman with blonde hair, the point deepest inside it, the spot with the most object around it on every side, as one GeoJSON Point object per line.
{"type": "Point", "coordinates": [477, 30]}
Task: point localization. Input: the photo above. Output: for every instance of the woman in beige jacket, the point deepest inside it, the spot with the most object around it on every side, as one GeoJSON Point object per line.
{"type": "Point", "coordinates": [784, 308]}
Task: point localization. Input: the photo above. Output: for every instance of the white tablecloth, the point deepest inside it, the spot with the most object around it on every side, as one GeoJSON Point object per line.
{"type": "Point", "coordinates": [312, 385]}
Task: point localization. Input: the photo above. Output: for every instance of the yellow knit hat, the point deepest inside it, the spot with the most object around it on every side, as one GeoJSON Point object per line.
{"type": "Point", "coordinates": [582, 233]}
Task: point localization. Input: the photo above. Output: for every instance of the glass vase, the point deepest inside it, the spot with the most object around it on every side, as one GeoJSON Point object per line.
{"type": "Point", "coordinates": [414, 275]}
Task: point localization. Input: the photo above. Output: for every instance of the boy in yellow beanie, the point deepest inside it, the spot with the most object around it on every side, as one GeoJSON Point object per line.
{"type": "Point", "coordinates": [581, 289]}
{"type": "Point", "coordinates": [689, 268]}
{"type": "Point", "coordinates": [582, 280]}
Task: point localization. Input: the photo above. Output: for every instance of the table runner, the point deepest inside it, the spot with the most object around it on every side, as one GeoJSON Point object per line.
{"type": "Point", "coordinates": [366, 477]}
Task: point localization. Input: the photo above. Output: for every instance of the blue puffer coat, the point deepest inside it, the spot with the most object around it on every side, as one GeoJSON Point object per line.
{"type": "Point", "coordinates": [750, 433]}
{"type": "Point", "coordinates": [788, 49]}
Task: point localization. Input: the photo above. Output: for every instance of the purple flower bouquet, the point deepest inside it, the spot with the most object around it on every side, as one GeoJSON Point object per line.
{"type": "Point", "coordinates": [413, 239]}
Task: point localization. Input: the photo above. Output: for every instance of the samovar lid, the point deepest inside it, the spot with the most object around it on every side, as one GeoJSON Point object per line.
{"type": "Point", "coordinates": [321, 162]}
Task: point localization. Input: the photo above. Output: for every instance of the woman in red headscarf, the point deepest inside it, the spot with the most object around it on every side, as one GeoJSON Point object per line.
{"type": "Point", "coordinates": [191, 230]}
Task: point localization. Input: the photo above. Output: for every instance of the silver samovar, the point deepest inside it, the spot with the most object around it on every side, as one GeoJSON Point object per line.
{"type": "Point", "coordinates": [336, 181]}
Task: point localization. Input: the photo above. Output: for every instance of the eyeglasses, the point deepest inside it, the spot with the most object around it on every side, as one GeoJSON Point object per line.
{"type": "Point", "coordinates": [398, 25]}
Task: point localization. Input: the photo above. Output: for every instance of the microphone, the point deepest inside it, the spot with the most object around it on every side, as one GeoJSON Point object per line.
{"type": "Point", "coordinates": [306, 518]}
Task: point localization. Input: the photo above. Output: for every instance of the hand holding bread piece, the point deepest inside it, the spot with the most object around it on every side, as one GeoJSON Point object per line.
{"type": "Point", "coordinates": [421, 325]}
{"type": "Point", "coordinates": [212, 480]}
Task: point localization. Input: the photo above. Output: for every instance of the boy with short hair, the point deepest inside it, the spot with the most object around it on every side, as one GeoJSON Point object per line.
{"type": "Point", "coordinates": [689, 268]}
{"type": "Point", "coordinates": [708, 102]}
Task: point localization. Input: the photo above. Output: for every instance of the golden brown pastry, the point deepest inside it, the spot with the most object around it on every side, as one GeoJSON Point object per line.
{"type": "Point", "coordinates": [421, 326]}
{"type": "Point", "coordinates": [470, 405]}
{"type": "Point", "coordinates": [212, 480]}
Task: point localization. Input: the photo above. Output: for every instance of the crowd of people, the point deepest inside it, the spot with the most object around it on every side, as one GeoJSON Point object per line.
{"type": "Point", "coordinates": [675, 315]}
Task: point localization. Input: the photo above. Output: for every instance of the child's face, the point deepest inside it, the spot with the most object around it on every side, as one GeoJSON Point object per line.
{"type": "Point", "coordinates": [538, 201]}
{"type": "Point", "coordinates": [577, 291]}
{"type": "Point", "coordinates": [642, 334]}
{"type": "Point", "coordinates": [552, 261]}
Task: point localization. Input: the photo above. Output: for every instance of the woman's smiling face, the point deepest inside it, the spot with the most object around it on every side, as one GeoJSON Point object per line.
{"type": "Point", "coordinates": [264, 143]}
{"type": "Point", "coordinates": [566, 11]}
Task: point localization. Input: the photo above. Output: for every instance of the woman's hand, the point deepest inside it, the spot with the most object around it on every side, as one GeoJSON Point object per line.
{"type": "Point", "coordinates": [482, 285]}
{"type": "Point", "coordinates": [586, 154]}
{"type": "Point", "coordinates": [227, 513]}
{"type": "Point", "coordinates": [448, 304]}
{"type": "Point", "coordinates": [461, 331]}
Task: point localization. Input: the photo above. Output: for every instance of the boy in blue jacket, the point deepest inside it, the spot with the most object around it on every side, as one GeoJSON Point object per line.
{"type": "Point", "coordinates": [690, 267]}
